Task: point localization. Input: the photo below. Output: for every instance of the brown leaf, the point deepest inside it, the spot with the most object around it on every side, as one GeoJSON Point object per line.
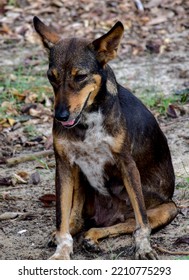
{"type": "Point", "coordinates": [5, 29]}
{"type": "Point", "coordinates": [47, 199]}
{"type": "Point", "coordinates": [171, 111]}
{"type": "Point", "coordinates": [2, 160]}
{"type": "Point", "coordinates": [6, 181]}
{"type": "Point", "coordinates": [153, 46]}
{"type": "Point", "coordinates": [9, 107]}
{"type": "Point", "coordinates": [184, 74]}
{"type": "Point", "coordinates": [25, 108]}
{"type": "Point", "coordinates": [31, 98]}
{"type": "Point", "coordinates": [23, 174]}
{"type": "Point", "coordinates": [35, 112]}
{"type": "Point", "coordinates": [182, 239]}
{"type": "Point", "coordinates": [17, 179]}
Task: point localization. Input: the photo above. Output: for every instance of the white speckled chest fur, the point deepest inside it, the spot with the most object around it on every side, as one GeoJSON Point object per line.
{"type": "Point", "coordinates": [93, 153]}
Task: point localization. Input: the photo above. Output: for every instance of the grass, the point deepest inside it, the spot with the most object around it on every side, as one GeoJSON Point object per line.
{"type": "Point", "coordinates": [185, 179]}
{"type": "Point", "coordinates": [30, 130]}
{"type": "Point", "coordinates": [16, 86]}
{"type": "Point", "coordinates": [158, 101]}
{"type": "Point", "coordinates": [183, 258]}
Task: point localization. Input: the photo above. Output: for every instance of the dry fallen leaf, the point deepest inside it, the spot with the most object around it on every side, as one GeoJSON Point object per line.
{"type": "Point", "coordinates": [8, 215]}
{"type": "Point", "coordinates": [21, 216]}
{"type": "Point", "coordinates": [6, 181]}
{"type": "Point", "coordinates": [31, 98]}
{"type": "Point", "coordinates": [182, 239]}
{"type": "Point", "coordinates": [16, 179]}
{"type": "Point", "coordinates": [171, 111]}
{"type": "Point", "coordinates": [47, 199]}
{"type": "Point", "coordinates": [9, 107]}
{"type": "Point", "coordinates": [11, 121]}
{"type": "Point", "coordinates": [23, 174]}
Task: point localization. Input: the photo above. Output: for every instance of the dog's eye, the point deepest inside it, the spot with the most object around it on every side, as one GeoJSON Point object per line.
{"type": "Point", "coordinates": [80, 77]}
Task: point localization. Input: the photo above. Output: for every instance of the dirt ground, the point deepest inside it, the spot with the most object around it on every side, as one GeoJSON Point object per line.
{"type": "Point", "coordinates": [25, 231]}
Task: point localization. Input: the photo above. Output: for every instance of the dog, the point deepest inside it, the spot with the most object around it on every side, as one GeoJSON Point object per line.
{"type": "Point", "coordinates": [114, 173]}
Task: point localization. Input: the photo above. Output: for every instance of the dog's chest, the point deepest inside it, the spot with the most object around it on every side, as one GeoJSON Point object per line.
{"type": "Point", "coordinates": [92, 153]}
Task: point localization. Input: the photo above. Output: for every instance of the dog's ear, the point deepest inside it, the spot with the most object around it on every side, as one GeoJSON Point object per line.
{"type": "Point", "coordinates": [48, 36]}
{"type": "Point", "coordinates": [106, 46]}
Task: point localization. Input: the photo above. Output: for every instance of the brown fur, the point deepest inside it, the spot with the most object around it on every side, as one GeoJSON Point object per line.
{"type": "Point", "coordinates": [114, 173]}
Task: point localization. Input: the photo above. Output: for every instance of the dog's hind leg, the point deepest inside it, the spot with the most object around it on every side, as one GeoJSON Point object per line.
{"type": "Point", "coordinates": [158, 217]}
{"type": "Point", "coordinates": [76, 219]}
{"type": "Point", "coordinates": [162, 214]}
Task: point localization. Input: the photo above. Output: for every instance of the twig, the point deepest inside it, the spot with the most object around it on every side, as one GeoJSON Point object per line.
{"type": "Point", "coordinates": [162, 250]}
{"type": "Point", "coordinates": [183, 119]}
{"type": "Point", "coordinates": [28, 157]}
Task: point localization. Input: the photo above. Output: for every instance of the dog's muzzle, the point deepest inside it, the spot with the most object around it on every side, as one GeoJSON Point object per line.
{"type": "Point", "coordinates": [64, 116]}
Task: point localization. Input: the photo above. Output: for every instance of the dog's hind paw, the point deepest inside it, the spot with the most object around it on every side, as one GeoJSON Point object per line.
{"type": "Point", "coordinates": [64, 247]}
{"type": "Point", "coordinates": [52, 240]}
{"type": "Point", "coordinates": [143, 250]}
{"type": "Point", "coordinates": [91, 246]}
{"type": "Point", "coordinates": [60, 256]}
{"type": "Point", "coordinates": [146, 255]}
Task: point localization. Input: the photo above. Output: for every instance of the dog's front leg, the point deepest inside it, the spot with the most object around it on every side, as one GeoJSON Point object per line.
{"type": "Point", "coordinates": [64, 195]}
{"type": "Point", "coordinates": [131, 179]}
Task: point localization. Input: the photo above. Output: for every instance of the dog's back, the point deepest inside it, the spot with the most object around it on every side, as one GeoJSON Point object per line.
{"type": "Point", "coordinates": [149, 148]}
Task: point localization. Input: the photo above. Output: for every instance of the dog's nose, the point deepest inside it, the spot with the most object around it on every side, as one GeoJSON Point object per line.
{"type": "Point", "coordinates": [62, 116]}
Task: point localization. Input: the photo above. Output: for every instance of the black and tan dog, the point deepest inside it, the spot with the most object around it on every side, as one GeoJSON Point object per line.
{"type": "Point", "coordinates": [114, 173]}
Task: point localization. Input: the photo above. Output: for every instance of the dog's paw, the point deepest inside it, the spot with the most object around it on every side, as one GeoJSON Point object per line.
{"type": "Point", "coordinates": [63, 255]}
{"type": "Point", "coordinates": [64, 247]}
{"type": "Point", "coordinates": [143, 249]}
{"type": "Point", "coordinates": [91, 246]}
{"type": "Point", "coordinates": [146, 253]}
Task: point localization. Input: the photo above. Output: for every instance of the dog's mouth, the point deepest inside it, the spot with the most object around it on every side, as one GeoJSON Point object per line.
{"type": "Point", "coordinates": [71, 123]}
{"type": "Point", "coordinates": [74, 122]}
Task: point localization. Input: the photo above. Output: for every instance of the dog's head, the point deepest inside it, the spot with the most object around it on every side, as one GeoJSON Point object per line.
{"type": "Point", "coordinates": [76, 69]}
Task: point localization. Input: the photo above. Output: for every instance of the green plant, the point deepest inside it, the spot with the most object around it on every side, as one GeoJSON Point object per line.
{"type": "Point", "coordinates": [183, 258]}
{"type": "Point", "coordinates": [159, 101]}
{"type": "Point", "coordinates": [12, 3]}
{"type": "Point", "coordinates": [42, 162]}
{"type": "Point", "coordinates": [17, 85]}
{"type": "Point", "coordinates": [30, 130]}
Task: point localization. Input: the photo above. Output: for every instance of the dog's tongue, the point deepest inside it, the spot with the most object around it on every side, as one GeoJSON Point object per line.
{"type": "Point", "coordinates": [69, 123]}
